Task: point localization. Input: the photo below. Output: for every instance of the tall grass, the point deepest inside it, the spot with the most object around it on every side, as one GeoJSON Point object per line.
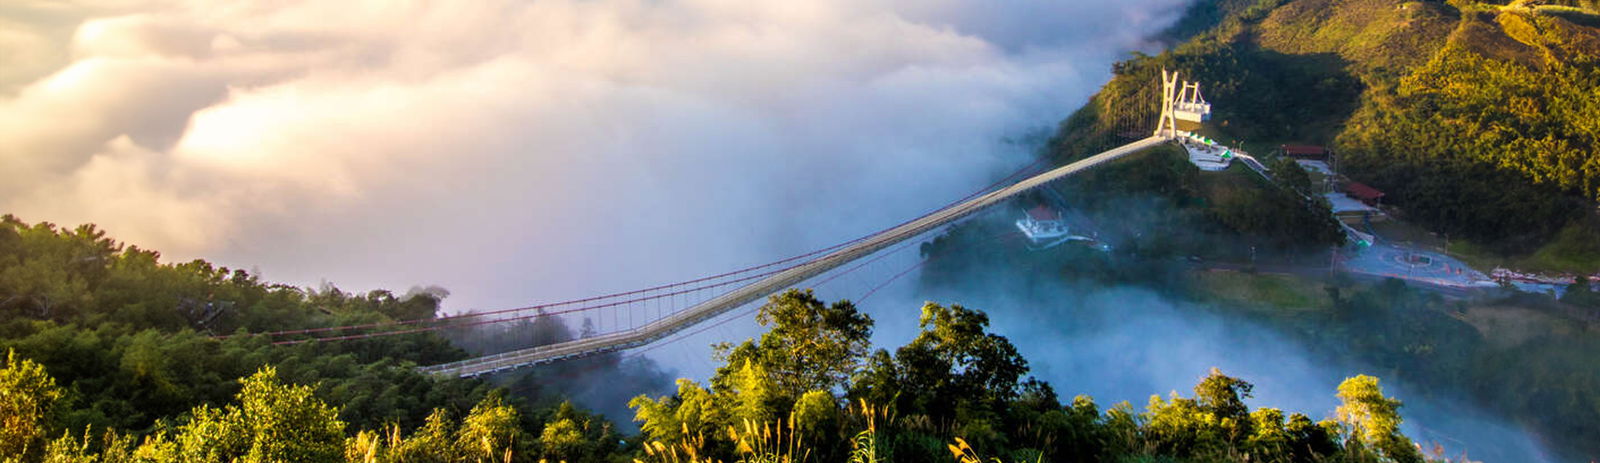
{"type": "Point", "coordinates": [690, 449]}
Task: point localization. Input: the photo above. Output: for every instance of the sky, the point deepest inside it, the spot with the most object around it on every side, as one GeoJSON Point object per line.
{"type": "Point", "coordinates": [522, 151]}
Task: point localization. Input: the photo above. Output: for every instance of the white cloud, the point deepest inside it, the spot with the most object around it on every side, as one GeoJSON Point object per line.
{"type": "Point", "coordinates": [516, 151]}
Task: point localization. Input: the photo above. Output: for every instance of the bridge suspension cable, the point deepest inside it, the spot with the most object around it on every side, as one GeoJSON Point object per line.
{"type": "Point", "coordinates": [758, 281]}
{"type": "Point", "coordinates": [739, 315]}
{"type": "Point", "coordinates": [457, 320]}
{"type": "Point", "coordinates": [675, 322]}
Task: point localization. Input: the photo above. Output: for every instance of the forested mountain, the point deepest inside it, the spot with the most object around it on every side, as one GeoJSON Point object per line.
{"type": "Point", "coordinates": [1479, 119]}
{"type": "Point", "coordinates": [110, 357]}
{"type": "Point", "coordinates": [1528, 359]}
{"type": "Point", "coordinates": [127, 342]}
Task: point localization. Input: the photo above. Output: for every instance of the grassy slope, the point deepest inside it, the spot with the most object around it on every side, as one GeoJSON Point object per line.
{"type": "Point", "coordinates": [1261, 292]}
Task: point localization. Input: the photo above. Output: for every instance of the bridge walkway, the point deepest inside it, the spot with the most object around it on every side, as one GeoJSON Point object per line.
{"type": "Point", "coordinates": [678, 321]}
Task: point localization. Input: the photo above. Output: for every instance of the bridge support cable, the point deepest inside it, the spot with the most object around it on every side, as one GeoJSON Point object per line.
{"type": "Point", "coordinates": [666, 291]}
{"type": "Point", "coordinates": [779, 280]}
{"type": "Point", "coordinates": [783, 273]}
{"type": "Point", "coordinates": [541, 313]}
{"type": "Point", "coordinates": [1177, 103]}
{"type": "Point", "coordinates": [751, 309]}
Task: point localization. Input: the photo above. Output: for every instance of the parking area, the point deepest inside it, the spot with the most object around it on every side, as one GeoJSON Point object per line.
{"type": "Point", "coordinates": [1389, 260]}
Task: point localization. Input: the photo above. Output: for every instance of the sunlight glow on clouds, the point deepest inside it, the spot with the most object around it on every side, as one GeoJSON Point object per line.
{"type": "Point", "coordinates": [527, 150]}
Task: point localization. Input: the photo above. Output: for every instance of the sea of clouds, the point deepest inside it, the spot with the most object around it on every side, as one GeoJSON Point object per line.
{"type": "Point", "coordinates": [518, 151]}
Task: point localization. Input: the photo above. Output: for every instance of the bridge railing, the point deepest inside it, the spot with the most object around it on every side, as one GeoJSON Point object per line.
{"type": "Point", "coordinates": [679, 320]}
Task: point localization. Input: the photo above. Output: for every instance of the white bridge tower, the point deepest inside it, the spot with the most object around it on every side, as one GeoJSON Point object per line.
{"type": "Point", "coordinates": [1180, 100]}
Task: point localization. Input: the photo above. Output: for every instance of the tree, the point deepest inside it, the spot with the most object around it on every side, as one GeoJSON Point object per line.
{"type": "Point", "coordinates": [1288, 173]}
{"type": "Point", "coordinates": [953, 367]}
{"type": "Point", "coordinates": [754, 394]}
{"type": "Point", "coordinates": [1177, 426]}
{"type": "Point", "coordinates": [270, 422]}
{"type": "Point", "coordinates": [1581, 293]}
{"type": "Point", "coordinates": [810, 345]}
{"type": "Point", "coordinates": [489, 432]}
{"type": "Point", "coordinates": [432, 443]}
{"type": "Point", "coordinates": [562, 438]}
{"type": "Point", "coordinates": [1310, 441]}
{"type": "Point", "coordinates": [691, 413]}
{"type": "Point", "coordinates": [1374, 420]}
{"type": "Point", "coordinates": [28, 397]}
{"type": "Point", "coordinates": [1223, 397]}
{"type": "Point", "coordinates": [1268, 439]}
{"type": "Point", "coordinates": [879, 381]}
{"type": "Point", "coordinates": [815, 412]}
{"type": "Point", "coordinates": [492, 432]}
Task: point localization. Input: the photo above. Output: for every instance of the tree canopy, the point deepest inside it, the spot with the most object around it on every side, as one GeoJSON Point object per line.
{"type": "Point", "coordinates": [959, 390]}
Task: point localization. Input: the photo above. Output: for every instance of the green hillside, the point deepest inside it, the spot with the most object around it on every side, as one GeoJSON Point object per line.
{"type": "Point", "coordinates": [99, 337]}
{"type": "Point", "coordinates": [109, 356]}
{"type": "Point", "coordinates": [1479, 120]}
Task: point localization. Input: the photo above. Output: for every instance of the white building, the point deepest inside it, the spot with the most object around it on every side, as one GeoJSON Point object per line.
{"type": "Point", "coordinates": [1043, 227]}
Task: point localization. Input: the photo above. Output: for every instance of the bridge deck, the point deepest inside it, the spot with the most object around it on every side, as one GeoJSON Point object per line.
{"type": "Point", "coordinates": [777, 282]}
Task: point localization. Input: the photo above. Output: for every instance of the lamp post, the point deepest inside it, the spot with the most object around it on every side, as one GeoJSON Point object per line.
{"type": "Point", "coordinates": [1333, 261]}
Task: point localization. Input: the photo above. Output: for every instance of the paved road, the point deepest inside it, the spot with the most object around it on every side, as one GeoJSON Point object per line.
{"type": "Point", "coordinates": [1389, 260]}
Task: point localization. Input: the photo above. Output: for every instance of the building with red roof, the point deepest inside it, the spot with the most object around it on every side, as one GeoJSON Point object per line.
{"type": "Point", "coordinates": [1043, 226]}
{"type": "Point", "coordinates": [1361, 192]}
{"type": "Point", "coordinates": [1311, 152]}
{"type": "Point", "coordinates": [1043, 213]}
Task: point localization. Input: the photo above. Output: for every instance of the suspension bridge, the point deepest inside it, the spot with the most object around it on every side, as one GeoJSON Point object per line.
{"type": "Point", "coordinates": [638, 317]}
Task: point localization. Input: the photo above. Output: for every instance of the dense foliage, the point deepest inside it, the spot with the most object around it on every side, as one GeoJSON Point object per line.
{"type": "Point", "coordinates": [127, 335]}
{"type": "Point", "coordinates": [271, 421]}
{"type": "Point", "coordinates": [958, 389]}
{"type": "Point", "coordinates": [1159, 205]}
{"type": "Point", "coordinates": [1538, 372]}
{"type": "Point", "coordinates": [109, 359]}
{"type": "Point", "coordinates": [1526, 357]}
{"type": "Point", "coordinates": [129, 345]}
{"type": "Point", "coordinates": [1478, 119]}
{"type": "Point", "coordinates": [1497, 121]}
{"type": "Point", "coordinates": [808, 388]}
